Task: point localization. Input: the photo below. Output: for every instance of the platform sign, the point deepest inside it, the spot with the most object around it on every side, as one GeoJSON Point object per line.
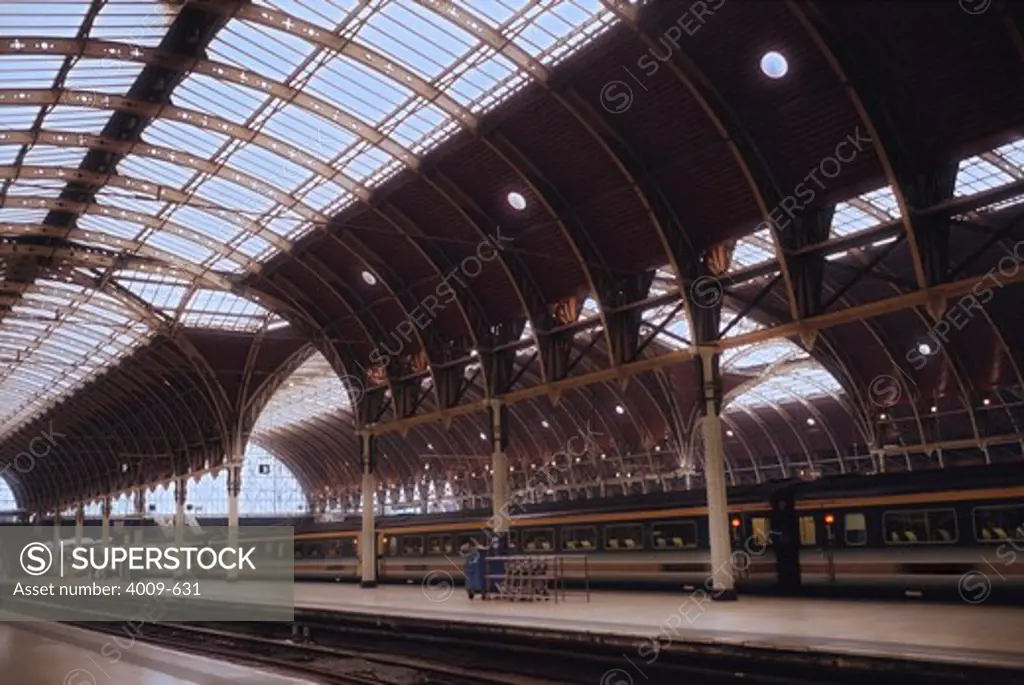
{"type": "Point", "coordinates": [143, 576]}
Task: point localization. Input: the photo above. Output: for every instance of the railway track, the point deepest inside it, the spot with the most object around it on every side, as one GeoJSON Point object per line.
{"type": "Point", "coordinates": [333, 647]}
{"type": "Point", "coordinates": [329, 665]}
{"type": "Point", "coordinates": [342, 652]}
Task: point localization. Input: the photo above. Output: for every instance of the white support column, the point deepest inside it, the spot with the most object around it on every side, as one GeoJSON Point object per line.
{"type": "Point", "coordinates": [105, 521]}
{"type": "Point", "coordinates": [180, 497]}
{"type": "Point", "coordinates": [140, 514]}
{"type": "Point", "coordinates": [723, 587]}
{"type": "Point", "coordinates": [234, 490]}
{"type": "Point", "coordinates": [79, 523]}
{"type": "Point", "coordinates": [500, 496]}
{"type": "Point", "coordinates": [56, 530]}
{"type": "Point", "coordinates": [368, 539]}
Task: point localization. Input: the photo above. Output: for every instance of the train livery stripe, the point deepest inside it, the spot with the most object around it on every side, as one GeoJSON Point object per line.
{"type": "Point", "coordinates": [915, 498]}
{"type": "Point", "coordinates": [654, 515]}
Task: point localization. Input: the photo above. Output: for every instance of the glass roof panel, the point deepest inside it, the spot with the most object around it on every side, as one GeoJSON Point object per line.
{"type": "Point", "coordinates": [110, 76]}
{"type": "Point", "coordinates": [367, 164]}
{"type": "Point", "coordinates": [322, 193]}
{"type": "Point", "coordinates": [159, 292]}
{"type": "Point", "coordinates": [205, 223]}
{"type": "Point", "coordinates": [312, 390]}
{"type": "Point", "coordinates": [109, 226]}
{"type": "Point", "coordinates": [129, 199]}
{"type": "Point", "coordinates": [358, 90]}
{"type": "Point", "coordinates": [761, 355]}
{"type": "Point", "coordinates": [753, 249]}
{"type": "Point", "coordinates": [216, 309]}
{"type": "Point", "coordinates": [479, 78]}
{"type": "Point", "coordinates": [418, 126]}
{"type": "Point", "coordinates": [65, 350]}
{"type": "Point", "coordinates": [792, 385]}
{"type": "Point", "coordinates": [181, 136]}
{"type": "Point", "coordinates": [156, 170]}
{"type": "Point", "coordinates": [976, 174]}
{"type": "Point", "coordinates": [266, 51]}
{"type": "Point", "coordinates": [28, 71]}
{"type": "Point", "coordinates": [217, 193]}
{"type": "Point", "coordinates": [864, 212]}
{"type": "Point", "coordinates": [13, 117]}
{"type": "Point", "coordinates": [180, 247]}
{"type": "Point", "coordinates": [218, 98]}
{"type": "Point", "coordinates": [36, 187]}
{"type": "Point", "coordinates": [136, 22]}
{"type": "Point", "coordinates": [60, 19]}
{"type": "Point", "coordinates": [76, 119]}
{"type": "Point", "coordinates": [309, 132]}
{"type": "Point", "coordinates": [277, 170]}
{"type": "Point", "coordinates": [54, 156]}
{"type": "Point", "coordinates": [416, 37]}
{"type": "Point", "coordinates": [19, 215]}
{"type": "Point", "coordinates": [253, 247]}
{"type": "Point", "coordinates": [324, 13]}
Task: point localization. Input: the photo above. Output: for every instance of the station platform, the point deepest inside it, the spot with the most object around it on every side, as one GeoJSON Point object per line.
{"type": "Point", "coordinates": [979, 635]}
{"type": "Point", "coordinates": [51, 654]}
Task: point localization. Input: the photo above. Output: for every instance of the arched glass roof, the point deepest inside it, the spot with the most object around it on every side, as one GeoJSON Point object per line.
{"type": "Point", "coordinates": [268, 487]}
{"type": "Point", "coordinates": [298, 110]}
{"type": "Point", "coordinates": [7, 500]}
{"type": "Point", "coordinates": [312, 390]}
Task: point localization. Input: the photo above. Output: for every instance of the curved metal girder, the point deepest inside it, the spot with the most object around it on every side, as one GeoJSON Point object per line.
{"type": "Point", "coordinates": [884, 138]}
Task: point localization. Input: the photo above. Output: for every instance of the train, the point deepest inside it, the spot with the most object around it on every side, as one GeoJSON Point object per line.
{"type": "Point", "coordinates": [953, 532]}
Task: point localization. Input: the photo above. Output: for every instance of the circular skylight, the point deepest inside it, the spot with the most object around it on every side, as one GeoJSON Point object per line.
{"type": "Point", "coordinates": [369, 278]}
{"type": "Point", "coordinates": [774, 65]}
{"type": "Point", "coordinates": [517, 201]}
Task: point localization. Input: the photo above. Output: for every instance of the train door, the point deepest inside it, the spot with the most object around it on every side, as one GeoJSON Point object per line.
{"type": "Point", "coordinates": [786, 539]}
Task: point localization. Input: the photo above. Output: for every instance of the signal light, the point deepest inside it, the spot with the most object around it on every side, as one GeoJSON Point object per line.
{"type": "Point", "coordinates": [735, 523]}
{"type": "Point", "coordinates": [829, 519]}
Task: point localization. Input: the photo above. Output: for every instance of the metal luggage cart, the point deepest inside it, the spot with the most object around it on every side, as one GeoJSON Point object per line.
{"type": "Point", "coordinates": [529, 578]}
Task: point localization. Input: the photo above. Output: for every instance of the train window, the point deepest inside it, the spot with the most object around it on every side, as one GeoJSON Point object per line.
{"type": "Point", "coordinates": [808, 531]}
{"type": "Point", "coordinates": [412, 546]}
{"type": "Point", "coordinates": [760, 531]}
{"type": "Point", "coordinates": [440, 544]}
{"type": "Point", "coordinates": [470, 541]}
{"type": "Point", "coordinates": [579, 539]}
{"type": "Point", "coordinates": [999, 523]}
{"type": "Point", "coordinates": [856, 527]}
{"type": "Point", "coordinates": [924, 526]}
{"type": "Point", "coordinates": [538, 540]}
{"type": "Point", "coordinates": [624, 537]}
{"type": "Point", "coordinates": [306, 550]}
{"type": "Point", "coordinates": [675, 535]}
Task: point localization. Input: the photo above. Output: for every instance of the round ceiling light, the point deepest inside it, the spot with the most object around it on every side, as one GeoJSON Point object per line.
{"type": "Point", "coordinates": [369, 278]}
{"type": "Point", "coordinates": [774, 65]}
{"type": "Point", "coordinates": [516, 201]}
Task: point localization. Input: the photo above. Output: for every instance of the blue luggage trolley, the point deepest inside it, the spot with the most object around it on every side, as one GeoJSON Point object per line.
{"type": "Point", "coordinates": [474, 567]}
{"type": "Point", "coordinates": [484, 573]}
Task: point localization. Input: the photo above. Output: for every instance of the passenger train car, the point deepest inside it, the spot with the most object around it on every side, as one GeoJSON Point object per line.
{"type": "Point", "coordinates": [927, 533]}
